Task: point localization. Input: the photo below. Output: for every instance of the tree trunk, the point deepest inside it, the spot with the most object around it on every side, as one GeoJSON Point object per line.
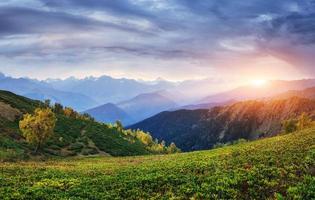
{"type": "Point", "coordinates": [37, 148]}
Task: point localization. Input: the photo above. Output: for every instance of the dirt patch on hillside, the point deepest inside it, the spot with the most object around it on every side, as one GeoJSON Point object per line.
{"type": "Point", "coordinates": [9, 113]}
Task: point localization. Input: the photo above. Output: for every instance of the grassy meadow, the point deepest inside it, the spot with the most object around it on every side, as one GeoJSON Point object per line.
{"type": "Point", "coordinates": [281, 167]}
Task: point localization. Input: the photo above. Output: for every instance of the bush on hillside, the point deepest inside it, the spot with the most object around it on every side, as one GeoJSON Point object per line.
{"type": "Point", "coordinates": [153, 146]}
{"type": "Point", "coordinates": [304, 121]}
{"type": "Point", "coordinates": [220, 145]}
{"type": "Point", "coordinates": [289, 126]}
{"type": "Point", "coordinates": [173, 148]}
{"type": "Point", "coordinates": [292, 125]}
{"type": "Point", "coordinates": [58, 108]}
{"type": "Point", "coordinates": [69, 112]}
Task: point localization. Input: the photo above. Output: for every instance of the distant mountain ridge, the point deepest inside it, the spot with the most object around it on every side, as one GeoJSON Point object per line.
{"type": "Point", "coordinates": [107, 89]}
{"type": "Point", "coordinates": [307, 93]}
{"type": "Point", "coordinates": [136, 109]}
{"type": "Point", "coordinates": [85, 94]}
{"type": "Point", "coordinates": [110, 113]}
{"type": "Point", "coordinates": [271, 88]}
{"type": "Point", "coordinates": [82, 94]}
{"type": "Point", "coordinates": [201, 129]}
{"type": "Point", "coordinates": [40, 90]}
{"type": "Point", "coordinates": [205, 105]}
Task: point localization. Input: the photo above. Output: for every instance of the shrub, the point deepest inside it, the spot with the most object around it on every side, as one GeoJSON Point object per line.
{"type": "Point", "coordinates": [304, 121]}
{"type": "Point", "coordinates": [173, 148]}
{"type": "Point", "coordinates": [89, 151]}
{"type": "Point", "coordinates": [289, 126]}
{"type": "Point", "coordinates": [77, 147]}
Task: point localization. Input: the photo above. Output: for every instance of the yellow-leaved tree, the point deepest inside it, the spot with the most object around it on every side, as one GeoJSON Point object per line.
{"type": "Point", "coordinates": [38, 127]}
{"type": "Point", "coordinates": [304, 121]}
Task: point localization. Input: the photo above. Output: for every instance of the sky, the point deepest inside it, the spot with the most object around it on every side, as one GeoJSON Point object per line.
{"type": "Point", "coordinates": [147, 39]}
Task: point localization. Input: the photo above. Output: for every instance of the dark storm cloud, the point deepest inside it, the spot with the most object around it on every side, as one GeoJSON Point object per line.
{"type": "Point", "coordinates": [297, 24]}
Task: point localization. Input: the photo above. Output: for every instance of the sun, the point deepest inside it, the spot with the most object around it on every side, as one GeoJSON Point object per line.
{"type": "Point", "coordinates": [259, 82]}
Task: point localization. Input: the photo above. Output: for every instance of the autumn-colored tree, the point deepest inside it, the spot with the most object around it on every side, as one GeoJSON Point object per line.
{"type": "Point", "coordinates": [304, 121]}
{"type": "Point", "coordinates": [145, 138]}
{"type": "Point", "coordinates": [38, 127]}
{"type": "Point", "coordinates": [119, 125]}
{"type": "Point", "coordinates": [173, 148]}
{"type": "Point", "coordinates": [69, 112]}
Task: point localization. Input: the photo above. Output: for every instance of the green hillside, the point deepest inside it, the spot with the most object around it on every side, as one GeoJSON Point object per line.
{"type": "Point", "coordinates": [22, 103]}
{"type": "Point", "coordinates": [281, 167]}
{"type": "Point", "coordinates": [75, 135]}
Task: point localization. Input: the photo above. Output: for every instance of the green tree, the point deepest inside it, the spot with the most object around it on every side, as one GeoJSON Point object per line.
{"type": "Point", "coordinates": [119, 125]}
{"type": "Point", "coordinates": [289, 126]}
{"type": "Point", "coordinates": [38, 127]}
{"type": "Point", "coordinates": [304, 121]}
{"type": "Point", "coordinates": [58, 108]}
{"type": "Point", "coordinates": [47, 103]}
{"type": "Point", "coordinates": [163, 143]}
{"type": "Point", "coordinates": [86, 116]}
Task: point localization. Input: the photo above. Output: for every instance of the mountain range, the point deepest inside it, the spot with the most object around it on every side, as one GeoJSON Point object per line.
{"type": "Point", "coordinates": [40, 90]}
{"type": "Point", "coordinates": [189, 129]}
{"type": "Point", "coordinates": [106, 89]}
{"type": "Point", "coordinates": [306, 93]}
{"type": "Point", "coordinates": [250, 119]}
{"type": "Point", "coordinates": [109, 99]}
{"type": "Point", "coordinates": [130, 111]}
{"type": "Point", "coordinates": [205, 105]}
{"type": "Point", "coordinates": [109, 113]}
{"type": "Point", "coordinates": [271, 88]}
{"type": "Point", "coordinates": [146, 105]}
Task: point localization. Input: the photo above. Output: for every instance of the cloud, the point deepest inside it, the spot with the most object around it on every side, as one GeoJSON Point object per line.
{"type": "Point", "coordinates": [209, 35]}
{"type": "Point", "coordinates": [18, 20]}
{"type": "Point", "coordinates": [118, 7]}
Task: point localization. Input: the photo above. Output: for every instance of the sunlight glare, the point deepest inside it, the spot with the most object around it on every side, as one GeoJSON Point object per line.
{"type": "Point", "coordinates": [258, 82]}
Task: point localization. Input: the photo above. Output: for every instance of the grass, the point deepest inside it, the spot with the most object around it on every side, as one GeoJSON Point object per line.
{"type": "Point", "coordinates": [281, 167]}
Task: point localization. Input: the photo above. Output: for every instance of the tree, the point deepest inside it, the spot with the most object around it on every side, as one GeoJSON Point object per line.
{"type": "Point", "coordinates": [58, 108]}
{"type": "Point", "coordinates": [173, 148]}
{"type": "Point", "coordinates": [119, 125]}
{"type": "Point", "coordinates": [163, 143]}
{"type": "Point", "coordinates": [145, 138]}
{"type": "Point", "coordinates": [304, 121]}
{"type": "Point", "coordinates": [69, 112]}
{"type": "Point", "coordinates": [289, 126]}
{"type": "Point", "coordinates": [38, 127]}
{"type": "Point", "coordinates": [47, 103]}
{"type": "Point", "coordinates": [86, 116]}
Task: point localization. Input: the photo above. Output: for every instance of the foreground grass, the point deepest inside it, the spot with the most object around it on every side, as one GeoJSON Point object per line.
{"type": "Point", "coordinates": [279, 167]}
